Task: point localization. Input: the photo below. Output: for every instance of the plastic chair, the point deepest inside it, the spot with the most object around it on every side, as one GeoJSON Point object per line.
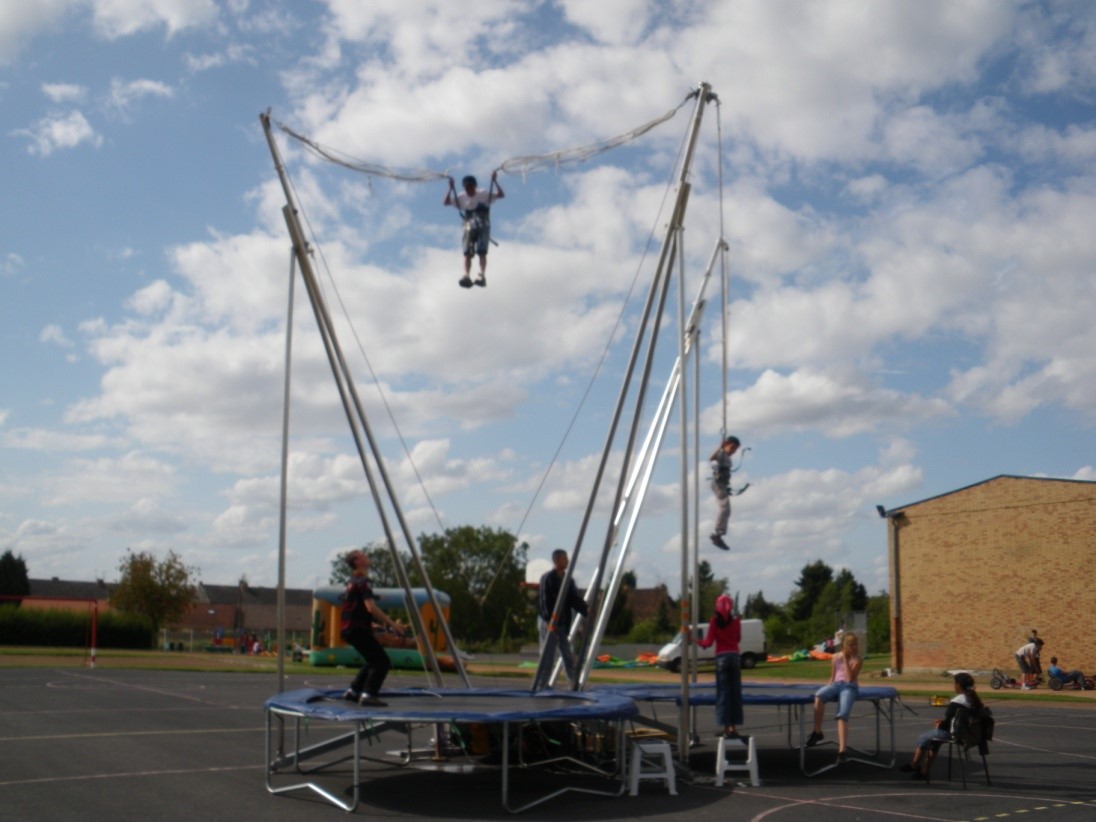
{"type": "Point", "coordinates": [971, 732]}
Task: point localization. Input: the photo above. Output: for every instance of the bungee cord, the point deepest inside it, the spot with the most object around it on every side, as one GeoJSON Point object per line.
{"type": "Point", "coordinates": [522, 165]}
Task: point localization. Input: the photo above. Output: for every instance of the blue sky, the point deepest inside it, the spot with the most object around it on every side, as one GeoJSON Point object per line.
{"type": "Point", "coordinates": [908, 194]}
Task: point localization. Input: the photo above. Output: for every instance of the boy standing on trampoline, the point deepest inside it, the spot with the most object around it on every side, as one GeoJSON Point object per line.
{"type": "Point", "coordinates": [551, 584]}
{"type": "Point", "coordinates": [475, 209]}
{"type": "Point", "coordinates": [359, 609]}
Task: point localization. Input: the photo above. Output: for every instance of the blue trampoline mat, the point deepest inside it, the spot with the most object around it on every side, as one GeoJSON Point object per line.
{"type": "Point", "coordinates": [754, 693]}
{"type": "Point", "coordinates": [490, 705]}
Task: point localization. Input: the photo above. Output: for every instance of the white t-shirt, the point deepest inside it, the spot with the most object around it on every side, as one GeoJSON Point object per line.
{"type": "Point", "coordinates": [468, 203]}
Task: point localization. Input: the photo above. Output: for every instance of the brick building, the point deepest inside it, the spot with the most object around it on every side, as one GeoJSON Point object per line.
{"type": "Point", "coordinates": [973, 570]}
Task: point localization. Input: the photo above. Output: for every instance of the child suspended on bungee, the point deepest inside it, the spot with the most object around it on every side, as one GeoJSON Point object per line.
{"type": "Point", "coordinates": [474, 205]}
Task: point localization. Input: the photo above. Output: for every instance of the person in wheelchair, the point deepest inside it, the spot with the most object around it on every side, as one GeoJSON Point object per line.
{"type": "Point", "coordinates": [1074, 676]}
{"type": "Point", "coordinates": [929, 742]}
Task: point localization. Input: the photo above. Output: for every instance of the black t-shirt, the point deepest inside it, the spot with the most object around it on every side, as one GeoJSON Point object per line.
{"type": "Point", "coordinates": [355, 613]}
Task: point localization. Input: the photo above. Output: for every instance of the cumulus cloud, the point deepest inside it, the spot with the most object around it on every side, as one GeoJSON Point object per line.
{"type": "Point", "coordinates": [909, 241]}
{"type": "Point", "coordinates": [21, 22]}
{"type": "Point", "coordinates": [64, 92]}
{"type": "Point", "coordinates": [124, 94]}
{"type": "Point", "coordinates": [120, 18]}
{"type": "Point", "coordinates": [10, 263]}
{"type": "Point", "coordinates": [59, 131]}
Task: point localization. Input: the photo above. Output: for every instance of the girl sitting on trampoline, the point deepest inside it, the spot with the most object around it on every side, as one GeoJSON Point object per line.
{"type": "Point", "coordinates": [843, 686]}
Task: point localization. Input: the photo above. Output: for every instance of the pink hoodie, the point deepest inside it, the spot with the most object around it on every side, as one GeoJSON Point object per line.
{"type": "Point", "coordinates": [727, 636]}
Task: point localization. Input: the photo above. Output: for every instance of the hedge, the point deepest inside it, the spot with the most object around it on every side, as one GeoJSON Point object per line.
{"type": "Point", "coordinates": [72, 629]}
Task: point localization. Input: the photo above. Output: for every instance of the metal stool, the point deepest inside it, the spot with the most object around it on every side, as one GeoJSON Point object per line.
{"type": "Point", "coordinates": [722, 765]}
{"type": "Point", "coordinates": [652, 759]}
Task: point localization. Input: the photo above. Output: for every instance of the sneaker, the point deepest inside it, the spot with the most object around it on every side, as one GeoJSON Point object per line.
{"type": "Point", "coordinates": [372, 701]}
{"type": "Point", "coordinates": [842, 756]}
{"type": "Point", "coordinates": [481, 280]}
{"type": "Point", "coordinates": [717, 541]}
{"type": "Point", "coordinates": [814, 739]}
{"type": "Point", "coordinates": [465, 281]}
{"type": "Point", "coordinates": [907, 768]}
{"type": "Point", "coordinates": [1026, 687]}
{"type": "Point", "coordinates": [351, 695]}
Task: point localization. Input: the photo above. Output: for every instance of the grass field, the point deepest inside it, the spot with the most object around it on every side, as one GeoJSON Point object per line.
{"type": "Point", "coordinates": [913, 686]}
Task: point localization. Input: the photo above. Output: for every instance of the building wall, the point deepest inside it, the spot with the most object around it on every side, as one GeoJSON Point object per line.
{"type": "Point", "coordinates": [979, 567]}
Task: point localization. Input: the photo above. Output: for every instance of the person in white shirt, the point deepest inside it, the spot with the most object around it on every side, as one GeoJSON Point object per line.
{"type": "Point", "coordinates": [1027, 657]}
{"type": "Point", "coordinates": [475, 209]}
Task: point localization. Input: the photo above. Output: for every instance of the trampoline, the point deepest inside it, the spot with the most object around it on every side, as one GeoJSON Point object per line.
{"type": "Point", "coordinates": [792, 698]}
{"type": "Point", "coordinates": [507, 711]}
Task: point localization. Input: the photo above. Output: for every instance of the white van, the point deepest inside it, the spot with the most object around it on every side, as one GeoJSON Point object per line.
{"type": "Point", "coordinates": [752, 647]}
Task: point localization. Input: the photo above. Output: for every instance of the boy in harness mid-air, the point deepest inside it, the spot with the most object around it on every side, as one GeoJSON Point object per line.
{"type": "Point", "coordinates": [721, 486]}
{"type": "Point", "coordinates": [475, 209]}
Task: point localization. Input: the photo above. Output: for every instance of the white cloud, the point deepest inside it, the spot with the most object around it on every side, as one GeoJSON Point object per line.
{"type": "Point", "coordinates": [431, 38]}
{"type": "Point", "coordinates": [120, 18]}
{"type": "Point", "coordinates": [622, 21]}
{"type": "Point", "coordinates": [64, 92]}
{"type": "Point", "coordinates": [109, 480]}
{"type": "Point", "coordinates": [907, 196]}
{"type": "Point", "coordinates": [124, 94]}
{"type": "Point", "coordinates": [47, 440]}
{"type": "Point", "coordinates": [806, 400]}
{"type": "Point", "coordinates": [21, 22]}
{"type": "Point", "coordinates": [56, 335]}
{"type": "Point", "coordinates": [231, 54]}
{"type": "Point", "coordinates": [59, 131]}
{"type": "Point", "coordinates": [10, 264]}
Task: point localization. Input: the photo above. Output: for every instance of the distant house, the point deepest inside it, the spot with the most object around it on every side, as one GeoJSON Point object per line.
{"type": "Point", "coordinates": [972, 571]}
{"type": "Point", "coordinates": [645, 602]}
{"type": "Point", "coordinates": [247, 607]}
{"type": "Point", "coordinates": [67, 595]}
{"type": "Point", "coordinates": [225, 608]}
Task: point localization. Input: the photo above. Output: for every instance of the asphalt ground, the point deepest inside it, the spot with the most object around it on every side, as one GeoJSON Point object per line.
{"type": "Point", "coordinates": [112, 744]}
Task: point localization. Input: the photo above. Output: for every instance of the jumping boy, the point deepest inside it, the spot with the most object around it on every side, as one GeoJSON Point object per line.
{"type": "Point", "coordinates": [721, 487]}
{"type": "Point", "coordinates": [475, 209]}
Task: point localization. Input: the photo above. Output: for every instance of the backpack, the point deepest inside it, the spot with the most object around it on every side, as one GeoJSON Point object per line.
{"type": "Point", "coordinates": [987, 721]}
{"type": "Point", "coordinates": [974, 728]}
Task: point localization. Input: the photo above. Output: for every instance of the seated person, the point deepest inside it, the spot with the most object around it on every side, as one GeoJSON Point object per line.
{"type": "Point", "coordinates": [929, 742]}
{"type": "Point", "coordinates": [844, 671]}
{"type": "Point", "coordinates": [1074, 676]}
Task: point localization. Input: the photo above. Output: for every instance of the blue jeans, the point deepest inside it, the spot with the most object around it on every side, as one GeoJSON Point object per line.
{"type": "Point", "coordinates": [845, 693]}
{"type": "Point", "coordinates": [563, 644]}
{"type": "Point", "coordinates": [927, 739]}
{"type": "Point", "coordinates": [728, 690]}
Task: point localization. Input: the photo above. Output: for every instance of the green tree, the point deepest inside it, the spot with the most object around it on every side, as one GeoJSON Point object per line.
{"type": "Point", "coordinates": [878, 608]}
{"type": "Point", "coordinates": [811, 583]}
{"type": "Point", "coordinates": [382, 570]}
{"type": "Point", "coordinates": [710, 588]}
{"type": "Point", "coordinates": [13, 576]}
{"type": "Point", "coordinates": [757, 607]}
{"type": "Point", "coordinates": [159, 590]}
{"type": "Point", "coordinates": [464, 563]}
{"type": "Point", "coordinates": [663, 624]}
{"type": "Point", "coordinates": [851, 594]}
{"type": "Point", "coordinates": [621, 618]}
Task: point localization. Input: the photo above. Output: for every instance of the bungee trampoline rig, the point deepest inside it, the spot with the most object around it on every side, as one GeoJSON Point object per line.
{"type": "Point", "coordinates": [475, 728]}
